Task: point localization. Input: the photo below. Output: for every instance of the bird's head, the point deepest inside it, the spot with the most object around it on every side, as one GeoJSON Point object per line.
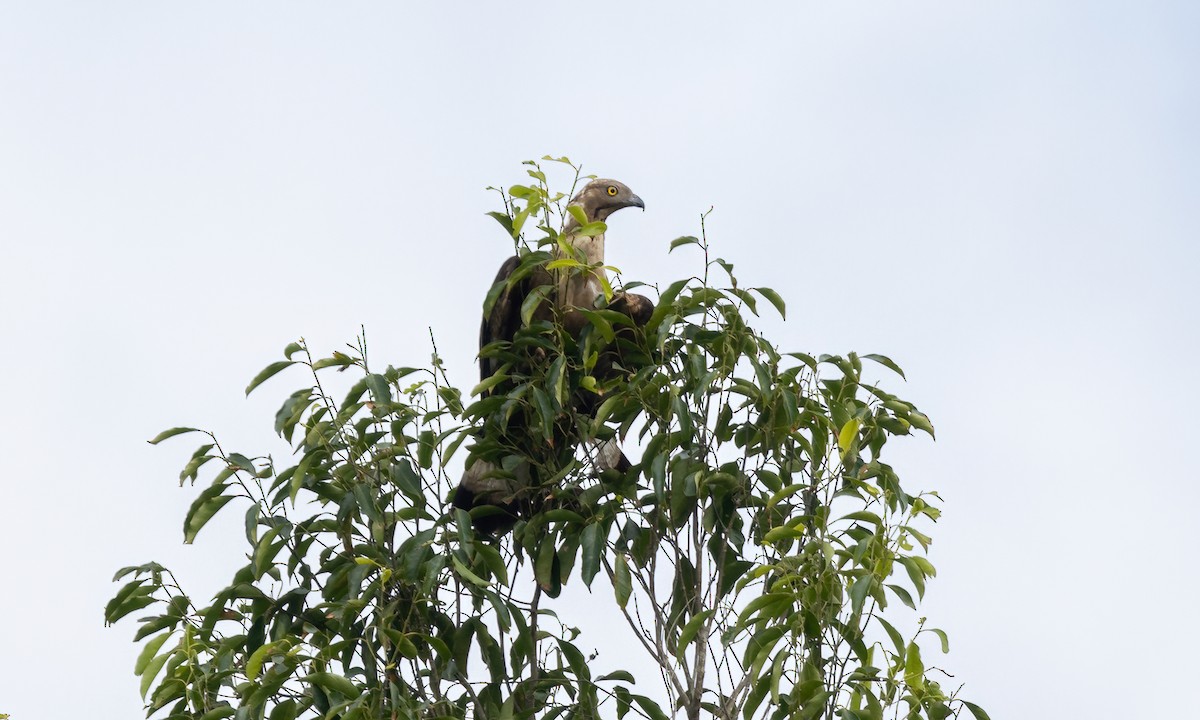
{"type": "Point", "coordinates": [601, 198]}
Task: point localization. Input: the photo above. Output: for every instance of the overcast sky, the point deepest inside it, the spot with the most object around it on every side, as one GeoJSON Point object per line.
{"type": "Point", "coordinates": [1002, 196]}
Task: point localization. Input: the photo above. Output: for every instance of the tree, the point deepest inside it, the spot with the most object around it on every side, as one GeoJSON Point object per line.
{"type": "Point", "coordinates": [752, 551]}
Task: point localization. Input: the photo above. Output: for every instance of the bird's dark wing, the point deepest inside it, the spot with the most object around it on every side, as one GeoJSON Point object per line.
{"type": "Point", "coordinates": [479, 485]}
{"type": "Point", "coordinates": [502, 321]}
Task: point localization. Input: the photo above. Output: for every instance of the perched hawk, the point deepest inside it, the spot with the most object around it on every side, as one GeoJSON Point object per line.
{"type": "Point", "coordinates": [598, 199]}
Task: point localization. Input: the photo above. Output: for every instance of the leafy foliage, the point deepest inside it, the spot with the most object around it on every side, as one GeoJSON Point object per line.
{"type": "Point", "coordinates": [752, 550]}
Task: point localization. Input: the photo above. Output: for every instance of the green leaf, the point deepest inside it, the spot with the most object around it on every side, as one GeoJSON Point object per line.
{"type": "Point", "coordinates": [782, 533]}
{"type": "Point", "coordinates": [777, 674]}
{"type": "Point", "coordinates": [498, 377]}
{"type": "Point", "coordinates": [622, 675]}
{"type": "Point", "coordinates": [406, 647]}
{"type": "Point", "coordinates": [859, 590]}
{"type": "Point", "coordinates": [785, 493]}
{"type": "Point", "coordinates": [132, 596]}
{"type": "Point", "coordinates": [532, 301]}
{"type": "Point", "coordinates": [746, 298]}
{"type": "Point", "coordinates": [622, 580]}
{"type": "Point", "coordinates": [203, 509]}
{"type": "Point", "coordinates": [149, 650]}
{"type": "Point", "coordinates": [904, 595]}
{"type": "Point", "coordinates": [976, 710]}
{"type": "Point", "coordinates": [606, 286]}
{"type": "Point", "coordinates": [887, 363]}
{"type": "Point", "coordinates": [893, 634]}
{"type": "Point", "coordinates": [578, 214]}
{"type": "Point", "coordinates": [864, 516]}
{"type": "Point", "coordinates": [600, 322]}
{"type": "Point", "coordinates": [592, 229]}
{"type": "Point", "coordinates": [493, 294]}
{"type": "Point", "coordinates": [770, 603]}
{"type": "Point", "coordinates": [172, 433]}
{"type": "Point", "coordinates": [920, 537]}
{"type": "Point", "coordinates": [301, 472]}
{"type": "Point", "coordinates": [689, 631]}
{"type": "Point", "coordinates": [665, 305]}
{"type": "Point", "coordinates": [941, 635]}
{"type": "Point", "coordinates": [334, 683]}
{"type": "Point", "coordinates": [151, 671]}
{"type": "Point", "coordinates": [153, 625]}
{"type": "Point", "coordinates": [267, 373]}
{"type": "Point", "coordinates": [255, 662]}
{"type": "Point", "coordinates": [545, 412]}
{"type": "Point", "coordinates": [285, 710]}
{"type": "Point", "coordinates": [921, 421]}
{"type": "Point", "coordinates": [241, 462]}
{"type": "Point", "coordinates": [592, 542]}
{"type": "Point", "coordinates": [495, 563]}
{"type": "Point", "coordinates": [543, 568]}
{"type": "Point", "coordinates": [649, 707]}
{"type": "Point", "coordinates": [914, 668]}
{"type": "Point", "coordinates": [518, 221]}
{"type": "Point", "coordinates": [425, 449]}
{"type": "Point", "coordinates": [774, 299]}
{"type": "Point", "coordinates": [466, 573]}
{"type": "Point", "coordinates": [381, 391]}
{"type": "Point", "coordinates": [915, 573]}
{"type": "Point", "coordinates": [847, 435]}
{"type": "Point", "coordinates": [562, 515]}
{"type": "Point", "coordinates": [219, 713]}
{"type": "Point", "coordinates": [681, 241]}
{"type": "Point", "coordinates": [623, 701]}
{"type": "Point", "coordinates": [504, 220]}
{"type": "Point", "coordinates": [561, 263]}
{"type": "Point", "coordinates": [338, 360]}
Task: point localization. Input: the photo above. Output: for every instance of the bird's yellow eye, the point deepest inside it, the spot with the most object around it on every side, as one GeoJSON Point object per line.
{"type": "Point", "coordinates": [612, 190]}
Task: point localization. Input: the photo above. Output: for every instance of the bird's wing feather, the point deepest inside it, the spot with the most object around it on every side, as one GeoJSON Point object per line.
{"type": "Point", "coordinates": [504, 319]}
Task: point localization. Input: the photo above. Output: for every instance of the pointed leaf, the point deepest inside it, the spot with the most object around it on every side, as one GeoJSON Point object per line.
{"type": "Point", "coordinates": [622, 675]}
{"type": "Point", "coordinates": [847, 435]}
{"type": "Point", "coordinates": [774, 298]}
{"type": "Point", "coordinates": [152, 669]}
{"type": "Point", "coordinates": [622, 580]}
{"type": "Point", "coordinates": [690, 630]}
{"type": "Point", "coordinates": [202, 510]}
{"type": "Point", "coordinates": [531, 303]}
{"type": "Point", "coordinates": [578, 214]}
{"type": "Point", "coordinates": [942, 636]}
{"type": "Point", "coordinates": [914, 668]}
{"type": "Point", "coordinates": [267, 373]}
{"type": "Point", "coordinates": [467, 575]}
{"type": "Point", "coordinates": [976, 711]}
{"type": "Point", "coordinates": [593, 542]}
{"type": "Point", "coordinates": [887, 363]}
{"type": "Point", "coordinates": [665, 304]}
{"type": "Point", "coordinates": [648, 706]}
{"type": "Point", "coordinates": [148, 652]}
{"type": "Point", "coordinates": [681, 241]}
{"type": "Point", "coordinates": [504, 220]}
{"type": "Point", "coordinates": [336, 683]}
{"type": "Point", "coordinates": [172, 433]}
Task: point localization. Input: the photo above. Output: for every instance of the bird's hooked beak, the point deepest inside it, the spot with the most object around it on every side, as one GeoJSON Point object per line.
{"type": "Point", "coordinates": [635, 201]}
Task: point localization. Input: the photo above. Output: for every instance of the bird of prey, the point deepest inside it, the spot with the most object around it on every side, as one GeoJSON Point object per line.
{"type": "Point", "coordinates": [480, 484]}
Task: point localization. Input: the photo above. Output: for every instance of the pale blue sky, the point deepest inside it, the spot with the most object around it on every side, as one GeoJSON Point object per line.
{"type": "Point", "coordinates": [1002, 196]}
